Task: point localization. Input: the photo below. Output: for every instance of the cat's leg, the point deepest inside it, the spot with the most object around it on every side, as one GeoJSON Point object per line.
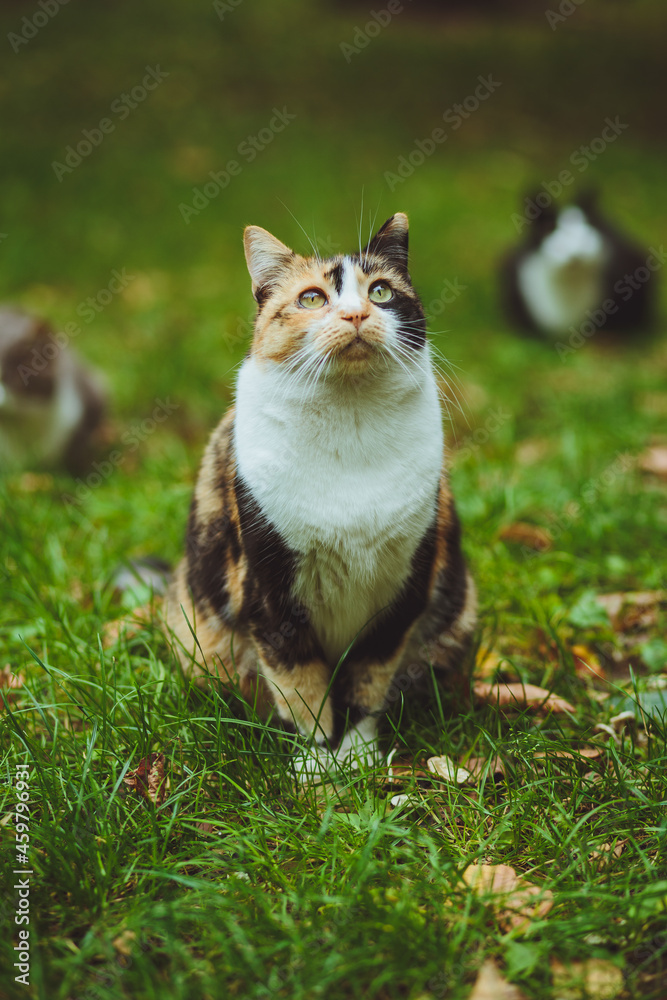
{"type": "Point", "coordinates": [300, 691]}
{"type": "Point", "coordinates": [447, 641]}
{"type": "Point", "coordinates": [205, 646]}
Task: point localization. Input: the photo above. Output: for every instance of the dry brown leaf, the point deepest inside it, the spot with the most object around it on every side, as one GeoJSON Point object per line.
{"type": "Point", "coordinates": [205, 827]}
{"type": "Point", "coordinates": [520, 696]}
{"type": "Point", "coordinates": [445, 768]}
{"type": "Point", "coordinates": [654, 460]}
{"type": "Point", "coordinates": [607, 851]}
{"type": "Point", "coordinates": [517, 902]}
{"type": "Point", "coordinates": [9, 684]}
{"type": "Point", "coordinates": [529, 535]}
{"type": "Point", "coordinates": [632, 609]}
{"type": "Point", "coordinates": [148, 778]}
{"type": "Point", "coordinates": [595, 979]}
{"type": "Point", "coordinates": [587, 663]}
{"type": "Point", "coordinates": [477, 766]}
{"type": "Point", "coordinates": [491, 985]}
{"type": "Point", "coordinates": [123, 943]}
{"type": "Point", "coordinates": [588, 753]}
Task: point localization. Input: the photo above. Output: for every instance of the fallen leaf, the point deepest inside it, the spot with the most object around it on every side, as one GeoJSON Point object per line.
{"type": "Point", "coordinates": [586, 663]}
{"type": "Point", "coordinates": [516, 901]}
{"type": "Point", "coordinates": [605, 851]}
{"type": "Point", "coordinates": [595, 979]}
{"type": "Point", "coordinates": [633, 609]}
{"type": "Point", "coordinates": [205, 827]}
{"type": "Point", "coordinates": [123, 943]}
{"type": "Point", "coordinates": [148, 778]}
{"type": "Point", "coordinates": [445, 768]}
{"type": "Point", "coordinates": [587, 753]}
{"type": "Point", "coordinates": [10, 683]}
{"type": "Point", "coordinates": [478, 765]}
{"type": "Point", "coordinates": [520, 696]}
{"type": "Point", "coordinates": [491, 985]}
{"type": "Point", "coordinates": [529, 535]}
{"type": "Point", "coordinates": [654, 460]}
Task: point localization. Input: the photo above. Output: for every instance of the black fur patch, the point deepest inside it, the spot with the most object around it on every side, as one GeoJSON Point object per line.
{"type": "Point", "coordinates": [277, 622]}
{"type": "Point", "coordinates": [335, 275]}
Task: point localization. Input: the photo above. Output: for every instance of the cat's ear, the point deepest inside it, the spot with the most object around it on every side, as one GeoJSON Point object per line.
{"type": "Point", "coordinates": [391, 241]}
{"type": "Point", "coordinates": [266, 257]}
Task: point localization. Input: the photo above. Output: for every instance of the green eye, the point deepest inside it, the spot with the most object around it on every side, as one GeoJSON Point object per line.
{"type": "Point", "coordinates": [313, 298]}
{"type": "Point", "coordinates": [380, 292]}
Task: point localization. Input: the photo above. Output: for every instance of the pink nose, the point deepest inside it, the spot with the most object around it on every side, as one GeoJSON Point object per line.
{"type": "Point", "coordinates": [356, 316]}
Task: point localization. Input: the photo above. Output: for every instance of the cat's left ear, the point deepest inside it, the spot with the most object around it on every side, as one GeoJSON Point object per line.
{"type": "Point", "coordinates": [391, 241]}
{"type": "Point", "coordinates": [266, 257]}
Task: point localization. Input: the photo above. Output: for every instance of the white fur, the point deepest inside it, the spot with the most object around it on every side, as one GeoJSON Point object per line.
{"type": "Point", "coordinates": [358, 746]}
{"type": "Point", "coordinates": [347, 472]}
{"type": "Point", "coordinates": [350, 299]}
{"type": "Point", "coordinates": [36, 431]}
{"type": "Point", "coordinates": [564, 276]}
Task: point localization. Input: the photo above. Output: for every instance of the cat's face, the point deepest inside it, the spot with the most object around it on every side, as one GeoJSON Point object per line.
{"type": "Point", "coordinates": [343, 316]}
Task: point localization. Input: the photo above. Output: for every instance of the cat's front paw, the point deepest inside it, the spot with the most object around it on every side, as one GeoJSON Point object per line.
{"type": "Point", "coordinates": [358, 748]}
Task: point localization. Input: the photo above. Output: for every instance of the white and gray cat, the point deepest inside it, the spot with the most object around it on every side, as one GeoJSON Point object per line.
{"type": "Point", "coordinates": [50, 402]}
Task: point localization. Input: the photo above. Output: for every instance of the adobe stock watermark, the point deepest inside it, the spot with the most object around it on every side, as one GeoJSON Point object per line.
{"type": "Point", "coordinates": [624, 288]}
{"type": "Point", "coordinates": [454, 117]}
{"type": "Point", "coordinates": [565, 9]}
{"type": "Point", "coordinates": [363, 36]}
{"type": "Point", "coordinates": [494, 420]}
{"type": "Point", "coordinates": [32, 25]}
{"type": "Point", "coordinates": [247, 150]}
{"type": "Point", "coordinates": [580, 158]}
{"type": "Point", "coordinates": [222, 7]}
{"type": "Point", "coordinates": [131, 439]}
{"type": "Point", "coordinates": [122, 107]}
{"type": "Point", "coordinates": [22, 868]}
{"type": "Point", "coordinates": [87, 309]}
{"type": "Point", "coordinates": [451, 291]}
{"type": "Point", "coordinates": [589, 495]}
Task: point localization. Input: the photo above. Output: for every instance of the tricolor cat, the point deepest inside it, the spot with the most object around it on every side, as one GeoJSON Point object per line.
{"type": "Point", "coordinates": [323, 547]}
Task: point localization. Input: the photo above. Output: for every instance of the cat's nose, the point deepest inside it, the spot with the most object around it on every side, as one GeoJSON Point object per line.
{"type": "Point", "coordinates": [356, 316]}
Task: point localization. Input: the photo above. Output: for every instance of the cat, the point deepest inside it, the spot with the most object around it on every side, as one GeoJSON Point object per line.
{"type": "Point", "coordinates": [323, 549]}
{"type": "Point", "coordinates": [50, 403]}
{"type": "Point", "coordinates": [574, 267]}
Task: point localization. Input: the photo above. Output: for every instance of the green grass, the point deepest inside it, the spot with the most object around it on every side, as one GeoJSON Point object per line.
{"type": "Point", "coordinates": [290, 892]}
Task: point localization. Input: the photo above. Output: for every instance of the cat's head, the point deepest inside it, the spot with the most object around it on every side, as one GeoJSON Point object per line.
{"type": "Point", "coordinates": [28, 362]}
{"type": "Point", "coordinates": [342, 316]}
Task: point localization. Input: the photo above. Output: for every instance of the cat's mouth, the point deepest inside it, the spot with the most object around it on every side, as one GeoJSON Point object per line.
{"type": "Point", "coordinates": [354, 348]}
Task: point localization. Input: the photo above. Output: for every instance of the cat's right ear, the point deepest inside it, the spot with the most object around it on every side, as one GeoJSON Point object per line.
{"type": "Point", "coordinates": [266, 257]}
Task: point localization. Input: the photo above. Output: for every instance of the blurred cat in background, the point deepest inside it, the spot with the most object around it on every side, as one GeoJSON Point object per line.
{"type": "Point", "coordinates": [575, 267]}
{"type": "Point", "coordinates": [50, 403]}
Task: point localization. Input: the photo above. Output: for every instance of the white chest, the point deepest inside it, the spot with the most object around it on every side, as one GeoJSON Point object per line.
{"type": "Point", "coordinates": [558, 295]}
{"type": "Point", "coordinates": [349, 480]}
